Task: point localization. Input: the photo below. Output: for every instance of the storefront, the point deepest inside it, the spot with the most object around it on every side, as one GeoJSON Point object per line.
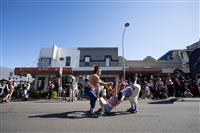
{"type": "Point", "coordinates": [43, 75]}
{"type": "Point", "coordinates": [58, 74]}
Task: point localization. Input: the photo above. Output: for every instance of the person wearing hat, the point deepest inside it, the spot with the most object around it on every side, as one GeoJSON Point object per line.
{"type": "Point", "coordinates": [94, 82]}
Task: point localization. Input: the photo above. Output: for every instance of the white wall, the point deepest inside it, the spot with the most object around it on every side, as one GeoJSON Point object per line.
{"type": "Point", "coordinates": [56, 53]}
{"type": "Point", "coordinates": [74, 53]}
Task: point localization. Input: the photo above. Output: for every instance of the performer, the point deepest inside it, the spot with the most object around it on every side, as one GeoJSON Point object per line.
{"type": "Point", "coordinates": [131, 93]}
{"type": "Point", "coordinates": [107, 106]}
{"type": "Point", "coordinates": [93, 83]}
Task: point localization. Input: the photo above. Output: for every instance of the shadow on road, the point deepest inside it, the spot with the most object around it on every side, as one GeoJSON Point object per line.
{"type": "Point", "coordinates": [76, 115]}
{"type": "Point", "coordinates": [65, 115]}
{"type": "Point", "coordinates": [117, 113]}
{"type": "Point", "coordinates": [22, 100]}
{"type": "Point", "coordinates": [168, 101]}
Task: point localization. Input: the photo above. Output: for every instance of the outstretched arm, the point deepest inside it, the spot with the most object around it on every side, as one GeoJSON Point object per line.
{"type": "Point", "coordinates": [123, 97]}
{"type": "Point", "coordinates": [107, 84]}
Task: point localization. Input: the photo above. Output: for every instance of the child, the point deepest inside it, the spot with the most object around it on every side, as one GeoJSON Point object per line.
{"type": "Point", "coordinates": [107, 106]}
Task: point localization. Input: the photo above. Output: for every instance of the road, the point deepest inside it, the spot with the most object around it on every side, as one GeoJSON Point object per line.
{"type": "Point", "coordinates": [57, 116]}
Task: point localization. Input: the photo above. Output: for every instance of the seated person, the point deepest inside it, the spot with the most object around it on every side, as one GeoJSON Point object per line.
{"type": "Point", "coordinates": [129, 92]}
{"type": "Point", "coordinates": [107, 106]}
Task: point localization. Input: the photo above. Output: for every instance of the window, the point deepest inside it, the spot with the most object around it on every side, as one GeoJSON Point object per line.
{"type": "Point", "coordinates": [108, 60]}
{"type": "Point", "coordinates": [87, 60]}
{"type": "Point", "coordinates": [61, 59]}
{"type": "Point", "coordinates": [50, 62]}
{"type": "Point", "coordinates": [68, 60]}
{"type": "Point", "coordinates": [44, 62]}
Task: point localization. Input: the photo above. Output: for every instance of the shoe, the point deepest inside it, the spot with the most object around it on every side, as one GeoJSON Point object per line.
{"type": "Point", "coordinates": [99, 110]}
{"type": "Point", "coordinates": [132, 110]}
{"type": "Point", "coordinates": [93, 115]}
{"type": "Point", "coordinates": [129, 109]}
{"type": "Point", "coordinates": [101, 113]}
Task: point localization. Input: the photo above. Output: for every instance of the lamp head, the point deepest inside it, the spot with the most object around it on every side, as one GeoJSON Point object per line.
{"type": "Point", "coordinates": [126, 24]}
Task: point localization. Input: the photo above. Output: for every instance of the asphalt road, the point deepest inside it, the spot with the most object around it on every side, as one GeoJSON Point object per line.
{"type": "Point", "coordinates": [57, 116]}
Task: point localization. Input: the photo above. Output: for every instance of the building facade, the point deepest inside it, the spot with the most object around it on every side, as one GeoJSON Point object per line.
{"type": "Point", "coordinates": [105, 57]}
{"type": "Point", "coordinates": [59, 57]}
{"type": "Point", "coordinates": [58, 62]}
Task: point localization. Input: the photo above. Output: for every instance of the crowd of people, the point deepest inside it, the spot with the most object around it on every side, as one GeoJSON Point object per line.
{"type": "Point", "coordinates": [10, 87]}
{"type": "Point", "coordinates": [71, 89]}
{"type": "Point", "coordinates": [174, 85]}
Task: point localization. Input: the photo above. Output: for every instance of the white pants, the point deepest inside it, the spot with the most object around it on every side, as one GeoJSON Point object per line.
{"type": "Point", "coordinates": [133, 99]}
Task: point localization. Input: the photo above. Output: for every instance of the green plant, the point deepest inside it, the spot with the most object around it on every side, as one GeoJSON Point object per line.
{"type": "Point", "coordinates": [54, 94]}
{"type": "Point", "coordinates": [34, 93]}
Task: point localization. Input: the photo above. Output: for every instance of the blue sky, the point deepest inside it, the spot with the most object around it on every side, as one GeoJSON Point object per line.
{"type": "Point", "coordinates": [155, 27]}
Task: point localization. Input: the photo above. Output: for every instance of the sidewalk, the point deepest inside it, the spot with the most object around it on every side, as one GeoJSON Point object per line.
{"type": "Point", "coordinates": [141, 101]}
{"type": "Point", "coordinates": [192, 99]}
{"type": "Point", "coordinates": [170, 100]}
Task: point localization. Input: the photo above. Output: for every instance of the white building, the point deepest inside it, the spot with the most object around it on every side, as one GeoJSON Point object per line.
{"type": "Point", "coordinates": [52, 62]}
{"type": "Point", "coordinates": [59, 57]}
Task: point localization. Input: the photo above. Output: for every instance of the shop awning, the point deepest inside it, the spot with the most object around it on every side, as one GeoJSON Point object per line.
{"type": "Point", "coordinates": [143, 70]}
{"type": "Point", "coordinates": [35, 70]}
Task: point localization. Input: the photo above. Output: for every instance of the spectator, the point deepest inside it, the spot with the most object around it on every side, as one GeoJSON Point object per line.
{"type": "Point", "coordinates": [10, 87]}
{"type": "Point", "coordinates": [193, 88]}
{"type": "Point", "coordinates": [80, 92]}
{"type": "Point", "coordinates": [170, 86]}
{"type": "Point", "coordinates": [177, 86]}
{"type": "Point", "coordinates": [51, 87]}
{"type": "Point", "coordinates": [162, 91]}
{"type": "Point", "coordinates": [26, 88]}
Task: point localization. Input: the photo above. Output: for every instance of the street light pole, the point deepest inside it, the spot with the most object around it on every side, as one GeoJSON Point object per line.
{"type": "Point", "coordinates": [126, 25]}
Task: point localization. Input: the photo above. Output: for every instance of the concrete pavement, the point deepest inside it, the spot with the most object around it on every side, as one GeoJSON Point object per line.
{"type": "Point", "coordinates": [57, 116]}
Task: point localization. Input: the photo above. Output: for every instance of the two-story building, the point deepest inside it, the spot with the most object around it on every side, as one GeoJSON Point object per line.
{"type": "Point", "coordinates": [59, 62]}
{"type": "Point", "coordinates": [106, 57]}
